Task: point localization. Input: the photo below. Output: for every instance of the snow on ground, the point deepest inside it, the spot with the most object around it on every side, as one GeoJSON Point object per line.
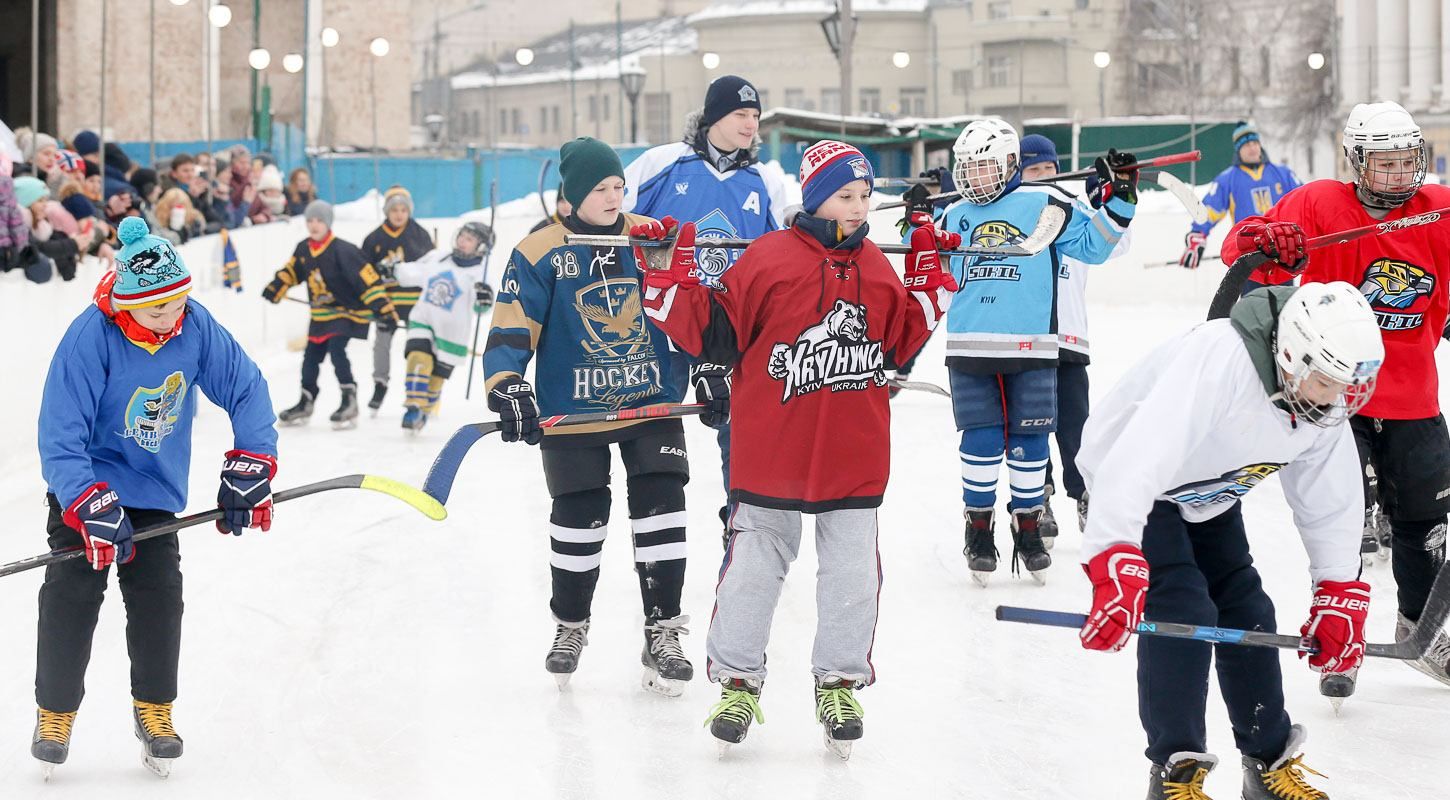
{"type": "Point", "coordinates": [358, 650]}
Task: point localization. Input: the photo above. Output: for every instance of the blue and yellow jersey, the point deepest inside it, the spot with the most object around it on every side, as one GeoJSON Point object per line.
{"type": "Point", "coordinates": [386, 248]}
{"type": "Point", "coordinates": [577, 312]}
{"type": "Point", "coordinates": [1244, 191]}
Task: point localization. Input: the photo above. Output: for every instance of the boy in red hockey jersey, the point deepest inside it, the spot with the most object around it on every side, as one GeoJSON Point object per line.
{"type": "Point", "coordinates": [810, 318]}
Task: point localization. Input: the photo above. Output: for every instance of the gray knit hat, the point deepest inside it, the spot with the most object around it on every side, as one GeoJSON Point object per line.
{"type": "Point", "coordinates": [319, 209]}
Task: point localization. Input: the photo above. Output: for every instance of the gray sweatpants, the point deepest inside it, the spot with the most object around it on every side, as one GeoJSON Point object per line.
{"type": "Point", "coordinates": [382, 354]}
{"type": "Point", "coordinates": [848, 582]}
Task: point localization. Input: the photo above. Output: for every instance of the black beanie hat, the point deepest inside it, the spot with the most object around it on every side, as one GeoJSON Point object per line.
{"type": "Point", "coordinates": [726, 94]}
{"type": "Point", "coordinates": [583, 163]}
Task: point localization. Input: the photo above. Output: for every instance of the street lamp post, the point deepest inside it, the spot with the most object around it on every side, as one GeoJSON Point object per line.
{"type": "Point", "coordinates": [259, 59]}
{"type": "Point", "coordinates": [632, 79]}
{"type": "Point", "coordinates": [840, 31]}
{"type": "Point", "coordinates": [378, 47]}
{"type": "Point", "coordinates": [1101, 60]}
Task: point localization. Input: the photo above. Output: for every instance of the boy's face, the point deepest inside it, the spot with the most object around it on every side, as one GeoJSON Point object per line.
{"type": "Point", "coordinates": [162, 318]}
{"type": "Point", "coordinates": [735, 130]}
{"type": "Point", "coordinates": [184, 174]}
{"type": "Point", "coordinates": [316, 229]}
{"type": "Point", "coordinates": [397, 216]}
{"type": "Point", "coordinates": [848, 206]}
{"type": "Point", "coordinates": [1393, 170]}
{"type": "Point", "coordinates": [1037, 172]}
{"type": "Point", "coordinates": [466, 242]}
{"type": "Point", "coordinates": [601, 206]}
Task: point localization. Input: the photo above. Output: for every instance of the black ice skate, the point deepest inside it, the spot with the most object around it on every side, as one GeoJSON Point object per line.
{"type": "Point", "coordinates": [1338, 685]}
{"type": "Point", "coordinates": [1284, 778]}
{"type": "Point", "coordinates": [380, 390]}
{"type": "Point", "coordinates": [981, 551]}
{"type": "Point", "coordinates": [51, 742]}
{"type": "Point", "coordinates": [345, 416]}
{"type": "Point", "coordinates": [1082, 509]}
{"type": "Point", "coordinates": [1182, 777]}
{"type": "Point", "coordinates": [665, 667]}
{"type": "Point", "coordinates": [1383, 532]}
{"type": "Point", "coordinates": [839, 713]}
{"type": "Point", "coordinates": [739, 705]}
{"type": "Point", "coordinates": [563, 657]}
{"type": "Point", "coordinates": [298, 414]}
{"type": "Point", "coordinates": [1369, 542]}
{"type": "Point", "coordinates": [1027, 547]}
{"type": "Point", "coordinates": [159, 743]}
{"type": "Point", "coordinates": [1048, 525]}
{"type": "Point", "coordinates": [725, 525]}
{"type": "Point", "coordinates": [1435, 661]}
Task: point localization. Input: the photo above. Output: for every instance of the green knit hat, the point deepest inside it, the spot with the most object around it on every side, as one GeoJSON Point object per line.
{"type": "Point", "coordinates": [583, 163]}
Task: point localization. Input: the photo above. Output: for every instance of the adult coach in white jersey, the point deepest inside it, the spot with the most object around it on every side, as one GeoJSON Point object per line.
{"type": "Point", "coordinates": [712, 178]}
{"type": "Point", "coordinates": [1167, 455]}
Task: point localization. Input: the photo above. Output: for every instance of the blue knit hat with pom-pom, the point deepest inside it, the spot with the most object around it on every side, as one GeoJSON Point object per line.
{"type": "Point", "coordinates": [149, 271]}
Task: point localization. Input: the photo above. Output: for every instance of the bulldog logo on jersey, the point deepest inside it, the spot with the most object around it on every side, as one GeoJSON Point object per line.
{"type": "Point", "coordinates": [151, 414]}
{"type": "Point", "coordinates": [834, 352]}
{"type": "Point", "coordinates": [996, 233]}
{"type": "Point", "coordinates": [1226, 488]}
{"type": "Point", "coordinates": [442, 291]}
{"type": "Point", "coordinates": [1392, 286]}
{"type": "Point", "coordinates": [711, 262]}
{"type": "Point", "coordinates": [622, 366]}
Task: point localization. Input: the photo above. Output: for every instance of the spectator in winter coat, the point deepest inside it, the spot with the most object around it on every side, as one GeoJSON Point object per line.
{"type": "Point", "coordinates": [299, 191]}
{"type": "Point", "coordinates": [270, 204]}
{"type": "Point", "coordinates": [32, 196]}
{"type": "Point", "coordinates": [243, 191]}
{"type": "Point", "coordinates": [88, 144]}
{"type": "Point", "coordinates": [94, 184]}
{"type": "Point", "coordinates": [40, 151]}
{"type": "Point", "coordinates": [14, 232]}
{"type": "Point", "coordinates": [148, 186]}
{"type": "Point", "coordinates": [178, 218]}
{"type": "Point", "coordinates": [180, 174]}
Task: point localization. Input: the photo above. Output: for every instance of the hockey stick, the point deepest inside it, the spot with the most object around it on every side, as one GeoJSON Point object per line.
{"type": "Point", "coordinates": [1437, 607]}
{"type": "Point", "coordinates": [918, 386]}
{"type": "Point", "coordinates": [1244, 265]}
{"type": "Point", "coordinates": [1049, 225]}
{"type": "Point", "coordinates": [439, 482]}
{"type": "Point", "coordinates": [543, 175]}
{"type": "Point", "coordinates": [478, 317]}
{"type": "Point", "coordinates": [1160, 161]}
{"type": "Point", "coordinates": [1174, 262]}
{"type": "Point", "coordinates": [414, 497]}
{"type": "Point", "coordinates": [1195, 207]}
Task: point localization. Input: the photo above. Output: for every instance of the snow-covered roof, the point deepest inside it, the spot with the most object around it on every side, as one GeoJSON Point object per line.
{"type": "Point", "coordinates": [727, 9]}
{"type": "Point", "coordinates": [897, 126]}
{"type": "Point", "coordinates": [596, 54]}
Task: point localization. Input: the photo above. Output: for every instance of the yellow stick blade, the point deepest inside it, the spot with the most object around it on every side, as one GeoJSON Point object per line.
{"type": "Point", "coordinates": [413, 496]}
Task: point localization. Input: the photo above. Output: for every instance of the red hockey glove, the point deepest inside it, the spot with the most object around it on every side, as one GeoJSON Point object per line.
{"type": "Point", "coordinates": [104, 527]}
{"type": "Point", "coordinates": [1336, 623]}
{"type": "Point", "coordinates": [1119, 576]}
{"type": "Point", "coordinates": [1281, 241]}
{"type": "Point", "coordinates": [245, 496]}
{"type": "Point", "coordinates": [1193, 250]}
{"type": "Point", "coordinates": [680, 268]}
{"type": "Point", "coordinates": [925, 273]}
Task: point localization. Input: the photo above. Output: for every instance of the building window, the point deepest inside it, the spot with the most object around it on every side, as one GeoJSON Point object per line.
{"type": "Point", "coordinates": [913, 101]}
{"type": "Point", "coordinates": [516, 116]}
{"type": "Point", "coordinates": [962, 81]}
{"type": "Point", "coordinates": [795, 98]}
{"type": "Point", "coordinates": [999, 70]}
{"type": "Point", "coordinates": [870, 101]}
{"type": "Point", "coordinates": [830, 101]}
{"type": "Point", "coordinates": [554, 118]}
{"type": "Point", "coordinates": [658, 122]}
{"type": "Point", "coordinates": [999, 9]}
{"type": "Point", "coordinates": [543, 119]}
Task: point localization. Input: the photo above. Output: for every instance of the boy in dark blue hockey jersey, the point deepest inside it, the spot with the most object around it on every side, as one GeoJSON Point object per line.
{"type": "Point", "coordinates": [115, 450]}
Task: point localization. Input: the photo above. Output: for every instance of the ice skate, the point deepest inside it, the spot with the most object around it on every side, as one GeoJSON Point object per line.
{"type": "Point", "coordinates": [51, 742]}
{"type": "Point", "coordinates": [1182, 777]}
{"type": "Point", "coordinates": [159, 743]}
{"type": "Point", "coordinates": [300, 413]}
{"type": "Point", "coordinates": [739, 705]}
{"type": "Point", "coordinates": [1027, 547]}
{"type": "Point", "coordinates": [414, 419]}
{"type": "Point", "coordinates": [345, 417]}
{"type": "Point", "coordinates": [839, 713]}
{"type": "Point", "coordinates": [1048, 525]}
{"type": "Point", "coordinates": [563, 657]}
{"type": "Point", "coordinates": [1082, 509]}
{"type": "Point", "coordinates": [380, 390]}
{"type": "Point", "coordinates": [1435, 661]}
{"type": "Point", "coordinates": [1369, 543]}
{"type": "Point", "coordinates": [1338, 685]}
{"type": "Point", "coordinates": [665, 667]}
{"type": "Point", "coordinates": [980, 550]}
{"type": "Point", "coordinates": [1284, 778]}
{"type": "Point", "coordinates": [1383, 532]}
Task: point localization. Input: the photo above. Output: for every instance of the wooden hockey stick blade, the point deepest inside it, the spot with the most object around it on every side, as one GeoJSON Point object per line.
{"type": "Point", "coordinates": [439, 482]}
{"type": "Point", "coordinates": [1184, 193]}
{"type": "Point", "coordinates": [918, 386]}
{"type": "Point", "coordinates": [408, 494]}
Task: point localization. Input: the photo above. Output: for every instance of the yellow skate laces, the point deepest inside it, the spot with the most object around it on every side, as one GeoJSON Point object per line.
{"type": "Point", "coordinates": [55, 726]}
{"type": "Point", "coordinates": [1286, 782]}
{"type": "Point", "coordinates": [155, 718]}
{"type": "Point", "coordinates": [1193, 790]}
{"type": "Point", "coordinates": [837, 704]}
{"type": "Point", "coordinates": [736, 705]}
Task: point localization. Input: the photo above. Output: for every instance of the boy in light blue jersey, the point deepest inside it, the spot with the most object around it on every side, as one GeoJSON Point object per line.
{"type": "Point", "coordinates": [1002, 328]}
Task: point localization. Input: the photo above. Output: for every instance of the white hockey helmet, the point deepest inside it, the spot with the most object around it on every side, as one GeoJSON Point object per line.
{"type": "Point", "coordinates": [1327, 335]}
{"type": "Point", "coordinates": [987, 158]}
{"type": "Point", "coordinates": [1384, 128]}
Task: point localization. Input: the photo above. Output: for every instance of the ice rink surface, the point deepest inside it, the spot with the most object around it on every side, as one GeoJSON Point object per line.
{"type": "Point", "coordinates": [360, 650]}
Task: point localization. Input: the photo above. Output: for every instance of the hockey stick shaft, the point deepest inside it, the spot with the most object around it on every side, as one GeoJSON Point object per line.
{"type": "Point", "coordinates": [918, 386]}
{"type": "Point", "coordinates": [408, 494]}
{"type": "Point", "coordinates": [439, 483]}
{"type": "Point", "coordinates": [478, 315]}
{"type": "Point", "coordinates": [1160, 161]}
{"type": "Point", "coordinates": [543, 175]}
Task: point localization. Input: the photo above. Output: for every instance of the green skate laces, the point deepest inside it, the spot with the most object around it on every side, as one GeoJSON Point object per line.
{"type": "Point", "coordinates": [837, 703]}
{"type": "Point", "coordinates": [736, 705]}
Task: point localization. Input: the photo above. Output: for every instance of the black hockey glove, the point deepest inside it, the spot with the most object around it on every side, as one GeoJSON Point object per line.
{"type": "Point", "coordinates": [917, 202]}
{"type": "Point", "coordinates": [482, 297]}
{"type": "Point", "coordinates": [518, 411]}
{"type": "Point", "coordinates": [387, 323]}
{"type": "Point", "coordinates": [712, 390]}
{"type": "Point", "coordinates": [1114, 180]}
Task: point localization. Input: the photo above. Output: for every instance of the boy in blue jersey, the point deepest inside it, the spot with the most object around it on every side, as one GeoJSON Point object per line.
{"type": "Point", "coordinates": [1251, 186]}
{"type": "Point", "coordinates": [115, 451]}
{"type": "Point", "coordinates": [712, 179]}
{"type": "Point", "coordinates": [576, 312]}
{"type": "Point", "coordinates": [1002, 347]}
